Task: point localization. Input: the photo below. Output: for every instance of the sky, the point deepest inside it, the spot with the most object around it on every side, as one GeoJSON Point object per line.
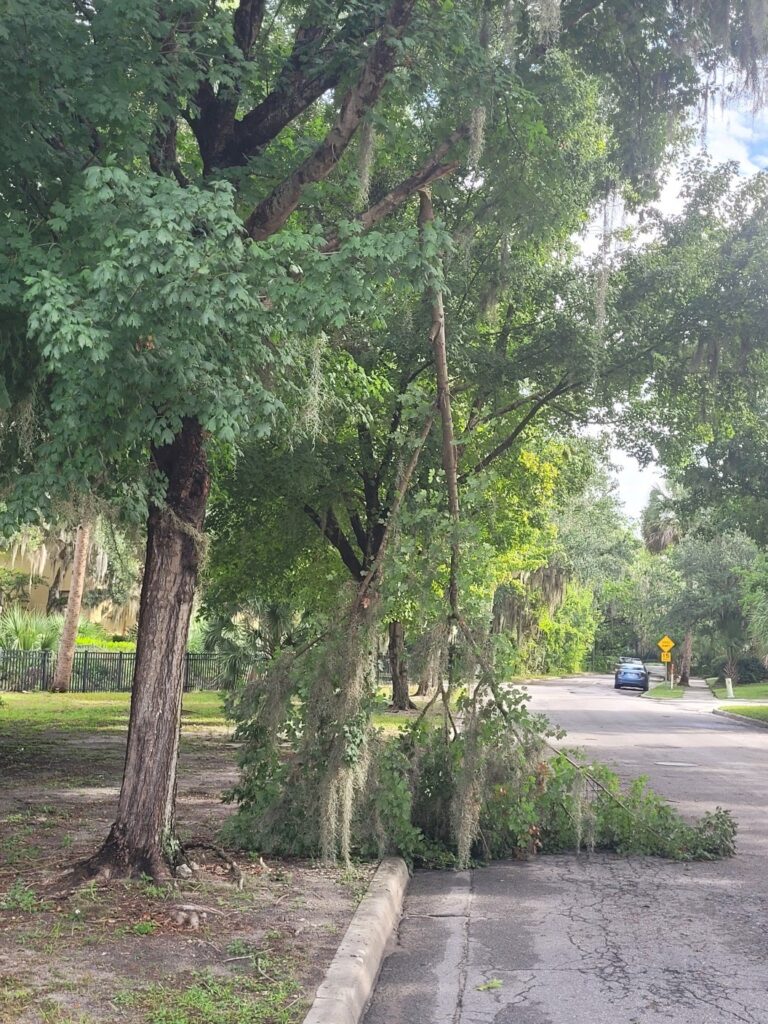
{"type": "Point", "coordinates": [732, 134]}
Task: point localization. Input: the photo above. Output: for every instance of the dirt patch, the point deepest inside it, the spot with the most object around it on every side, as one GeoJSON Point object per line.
{"type": "Point", "coordinates": [206, 952]}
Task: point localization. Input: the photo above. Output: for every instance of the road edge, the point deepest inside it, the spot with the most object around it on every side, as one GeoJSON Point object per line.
{"type": "Point", "coordinates": [346, 990]}
{"type": "Point", "coordinates": [755, 723]}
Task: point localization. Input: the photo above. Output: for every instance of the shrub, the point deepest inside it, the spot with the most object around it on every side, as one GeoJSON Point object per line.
{"type": "Point", "coordinates": [106, 645]}
{"type": "Point", "coordinates": [749, 669]}
{"type": "Point", "coordinates": [24, 630]}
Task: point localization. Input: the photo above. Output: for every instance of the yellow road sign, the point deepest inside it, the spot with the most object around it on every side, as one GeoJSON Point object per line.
{"type": "Point", "coordinates": [666, 643]}
{"type": "Point", "coordinates": [666, 656]}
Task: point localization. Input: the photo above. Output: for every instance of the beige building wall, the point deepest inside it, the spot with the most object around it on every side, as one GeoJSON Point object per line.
{"type": "Point", "coordinates": [115, 619]}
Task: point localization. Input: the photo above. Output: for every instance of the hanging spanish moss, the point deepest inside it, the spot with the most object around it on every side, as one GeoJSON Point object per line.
{"type": "Point", "coordinates": [313, 403]}
{"type": "Point", "coordinates": [610, 206]}
{"type": "Point", "coordinates": [337, 725]}
{"type": "Point", "coordinates": [365, 155]}
{"type": "Point", "coordinates": [509, 32]}
{"type": "Point", "coordinates": [306, 730]}
{"type": "Point", "coordinates": [430, 658]}
{"type": "Point", "coordinates": [476, 137]}
{"type": "Point", "coordinates": [546, 16]}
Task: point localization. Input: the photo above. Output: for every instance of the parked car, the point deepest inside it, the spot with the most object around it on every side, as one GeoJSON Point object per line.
{"type": "Point", "coordinates": [631, 672]}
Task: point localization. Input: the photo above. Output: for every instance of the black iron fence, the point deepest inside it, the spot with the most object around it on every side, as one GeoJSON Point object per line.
{"type": "Point", "coordinates": [93, 670]}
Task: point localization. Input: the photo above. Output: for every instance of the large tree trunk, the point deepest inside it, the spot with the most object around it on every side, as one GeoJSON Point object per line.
{"type": "Point", "coordinates": [686, 651]}
{"type": "Point", "coordinates": [142, 838]}
{"type": "Point", "coordinates": [63, 672]}
{"type": "Point", "coordinates": [401, 700]}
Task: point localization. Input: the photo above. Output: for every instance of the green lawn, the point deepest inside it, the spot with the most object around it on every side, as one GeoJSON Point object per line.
{"type": "Point", "coordinates": [760, 713]}
{"type": "Point", "coordinates": [663, 692]}
{"type": "Point", "coordinates": [41, 711]}
{"type": "Point", "coordinates": [750, 691]}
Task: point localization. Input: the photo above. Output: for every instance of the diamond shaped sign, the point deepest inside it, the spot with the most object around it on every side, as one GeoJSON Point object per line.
{"type": "Point", "coordinates": [666, 643]}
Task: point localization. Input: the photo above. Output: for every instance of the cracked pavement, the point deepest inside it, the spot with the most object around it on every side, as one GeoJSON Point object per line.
{"type": "Point", "coordinates": [599, 939]}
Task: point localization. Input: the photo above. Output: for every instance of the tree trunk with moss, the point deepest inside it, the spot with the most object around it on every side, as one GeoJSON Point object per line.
{"type": "Point", "coordinates": [62, 675]}
{"type": "Point", "coordinates": [686, 651]}
{"type": "Point", "coordinates": [401, 700]}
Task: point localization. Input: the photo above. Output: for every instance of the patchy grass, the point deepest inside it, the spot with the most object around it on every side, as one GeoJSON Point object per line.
{"type": "Point", "coordinates": [749, 691]}
{"type": "Point", "coordinates": [123, 951]}
{"type": "Point", "coordinates": [664, 692]}
{"type": "Point", "coordinates": [747, 711]}
{"type": "Point", "coordinates": [40, 712]}
{"type": "Point", "coordinates": [272, 997]}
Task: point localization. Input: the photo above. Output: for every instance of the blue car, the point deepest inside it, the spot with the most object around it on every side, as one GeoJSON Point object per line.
{"type": "Point", "coordinates": [631, 673]}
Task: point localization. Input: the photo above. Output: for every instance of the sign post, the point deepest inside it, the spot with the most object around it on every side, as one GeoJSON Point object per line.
{"type": "Point", "coordinates": [665, 645]}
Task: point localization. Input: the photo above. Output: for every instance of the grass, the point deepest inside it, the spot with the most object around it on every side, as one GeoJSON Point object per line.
{"type": "Point", "coordinates": [272, 997]}
{"type": "Point", "coordinates": [391, 721]}
{"type": "Point", "coordinates": [664, 692]}
{"type": "Point", "coordinates": [747, 711]}
{"type": "Point", "coordinates": [40, 712]}
{"type": "Point", "coordinates": [748, 691]}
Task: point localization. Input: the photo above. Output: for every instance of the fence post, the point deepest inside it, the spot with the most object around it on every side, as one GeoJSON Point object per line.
{"type": "Point", "coordinates": [85, 670]}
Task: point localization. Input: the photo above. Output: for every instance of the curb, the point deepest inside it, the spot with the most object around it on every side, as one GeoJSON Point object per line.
{"type": "Point", "coordinates": [755, 723]}
{"type": "Point", "coordinates": [346, 990]}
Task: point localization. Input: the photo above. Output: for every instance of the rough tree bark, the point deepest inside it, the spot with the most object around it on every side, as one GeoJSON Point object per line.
{"type": "Point", "coordinates": [401, 700]}
{"type": "Point", "coordinates": [142, 838]}
{"type": "Point", "coordinates": [63, 672]}
{"type": "Point", "coordinates": [439, 353]}
{"type": "Point", "coordinates": [686, 652]}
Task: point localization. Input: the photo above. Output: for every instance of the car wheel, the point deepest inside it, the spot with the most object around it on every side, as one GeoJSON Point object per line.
{"type": "Point", "coordinates": [646, 688]}
{"type": "Point", "coordinates": [616, 686]}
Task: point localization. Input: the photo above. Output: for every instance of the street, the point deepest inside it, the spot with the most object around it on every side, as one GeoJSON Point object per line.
{"type": "Point", "coordinates": [599, 939]}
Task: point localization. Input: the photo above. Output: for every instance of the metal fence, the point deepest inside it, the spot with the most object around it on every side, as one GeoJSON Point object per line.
{"type": "Point", "coordinates": [93, 670]}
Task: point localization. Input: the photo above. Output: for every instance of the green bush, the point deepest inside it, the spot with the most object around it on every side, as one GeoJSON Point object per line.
{"type": "Point", "coordinates": [106, 645]}
{"type": "Point", "coordinates": [749, 669]}
{"type": "Point", "coordinates": [91, 631]}
{"type": "Point", "coordinates": [25, 630]}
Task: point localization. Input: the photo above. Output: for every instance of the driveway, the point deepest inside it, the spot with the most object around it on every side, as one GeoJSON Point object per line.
{"type": "Point", "coordinates": [593, 939]}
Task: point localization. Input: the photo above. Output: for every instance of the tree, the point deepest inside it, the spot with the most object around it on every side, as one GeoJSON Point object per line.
{"type": "Point", "coordinates": [711, 598]}
{"type": "Point", "coordinates": [66, 653]}
{"type": "Point", "coordinates": [698, 291]}
{"type": "Point", "coordinates": [169, 239]}
{"type": "Point", "coordinates": [662, 529]}
{"type": "Point", "coordinates": [126, 251]}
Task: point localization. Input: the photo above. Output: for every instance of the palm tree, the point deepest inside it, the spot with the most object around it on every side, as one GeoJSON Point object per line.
{"type": "Point", "coordinates": [660, 524]}
{"type": "Point", "coordinates": [66, 655]}
{"type": "Point", "coordinates": [661, 529]}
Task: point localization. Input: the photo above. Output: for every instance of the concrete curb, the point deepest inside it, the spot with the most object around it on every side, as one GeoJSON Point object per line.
{"type": "Point", "coordinates": [755, 723]}
{"type": "Point", "coordinates": [346, 990]}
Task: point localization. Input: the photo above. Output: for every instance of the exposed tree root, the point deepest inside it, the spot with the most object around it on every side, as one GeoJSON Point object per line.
{"type": "Point", "coordinates": [410, 706]}
{"type": "Point", "coordinates": [204, 844]}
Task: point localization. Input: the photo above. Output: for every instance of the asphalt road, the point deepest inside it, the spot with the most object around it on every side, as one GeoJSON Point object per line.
{"type": "Point", "coordinates": [601, 939]}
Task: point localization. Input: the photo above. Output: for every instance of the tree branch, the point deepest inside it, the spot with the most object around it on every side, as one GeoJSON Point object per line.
{"type": "Point", "coordinates": [330, 529]}
{"type": "Point", "coordinates": [248, 20]}
{"type": "Point", "coordinates": [401, 489]}
{"type": "Point", "coordinates": [440, 356]}
{"type": "Point", "coordinates": [360, 534]}
{"type": "Point", "coordinates": [430, 171]}
{"type": "Point", "coordinates": [273, 211]}
{"type": "Point", "coordinates": [507, 443]}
